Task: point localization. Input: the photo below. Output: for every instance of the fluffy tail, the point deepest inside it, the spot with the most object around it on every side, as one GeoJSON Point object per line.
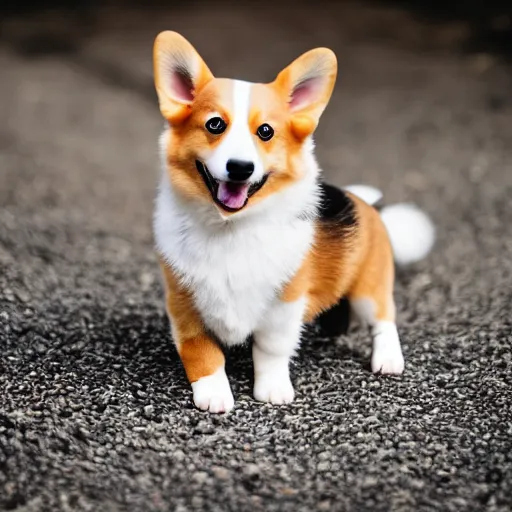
{"type": "Point", "coordinates": [410, 230]}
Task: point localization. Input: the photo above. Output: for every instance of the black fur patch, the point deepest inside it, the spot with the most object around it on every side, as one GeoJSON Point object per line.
{"type": "Point", "coordinates": [336, 208]}
{"type": "Point", "coordinates": [335, 321]}
{"type": "Point", "coordinates": [338, 218]}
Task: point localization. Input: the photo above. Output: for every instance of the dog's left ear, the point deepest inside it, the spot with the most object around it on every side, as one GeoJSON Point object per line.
{"type": "Point", "coordinates": [307, 84]}
{"type": "Point", "coordinates": [180, 73]}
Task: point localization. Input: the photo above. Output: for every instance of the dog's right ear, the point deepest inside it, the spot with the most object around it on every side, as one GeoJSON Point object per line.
{"type": "Point", "coordinates": [179, 73]}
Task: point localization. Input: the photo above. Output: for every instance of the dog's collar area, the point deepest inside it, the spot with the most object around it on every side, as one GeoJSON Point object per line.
{"type": "Point", "coordinates": [213, 187]}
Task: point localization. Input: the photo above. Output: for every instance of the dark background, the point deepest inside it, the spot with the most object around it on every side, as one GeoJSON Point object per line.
{"type": "Point", "coordinates": [95, 411]}
{"type": "Point", "coordinates": [489, 31]}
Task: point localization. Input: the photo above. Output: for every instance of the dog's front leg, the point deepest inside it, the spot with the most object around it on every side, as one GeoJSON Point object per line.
{"type": "Point", "coordinates": [201, 356]}
{"type": "Point", "coordinates": [275, 342]}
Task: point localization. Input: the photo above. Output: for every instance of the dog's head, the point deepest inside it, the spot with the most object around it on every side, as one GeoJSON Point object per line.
{"type": "Point", "coordinates": [233, 142]}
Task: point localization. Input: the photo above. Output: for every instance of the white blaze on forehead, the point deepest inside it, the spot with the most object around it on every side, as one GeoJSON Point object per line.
{"type": "Point", "coordinates": [238, 141]}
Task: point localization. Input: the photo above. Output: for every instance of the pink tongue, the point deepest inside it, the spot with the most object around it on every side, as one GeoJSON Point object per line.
{"type": "Point", "coordinates": [232, 195]}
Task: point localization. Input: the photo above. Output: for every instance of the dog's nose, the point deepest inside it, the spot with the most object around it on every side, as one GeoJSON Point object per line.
{"type": "Point", "coordinates": [239, 170]}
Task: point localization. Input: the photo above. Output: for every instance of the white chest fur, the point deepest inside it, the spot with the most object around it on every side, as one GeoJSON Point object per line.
{"type": "Point", "coordinates": [233, 268]}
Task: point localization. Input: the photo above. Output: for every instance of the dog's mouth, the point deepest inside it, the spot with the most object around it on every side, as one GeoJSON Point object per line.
{"type": "Point", "coordinates": [229, 195]}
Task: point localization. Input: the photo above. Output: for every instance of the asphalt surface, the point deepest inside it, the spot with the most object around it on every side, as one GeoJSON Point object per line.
{"type": "Point", "coordinates": [96, 414]}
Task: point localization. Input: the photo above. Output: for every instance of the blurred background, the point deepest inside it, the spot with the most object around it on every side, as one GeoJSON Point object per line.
{"type": "Point", "coordinates": [421, 84]}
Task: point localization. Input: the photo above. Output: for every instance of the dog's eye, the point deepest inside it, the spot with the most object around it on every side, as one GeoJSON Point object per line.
{"type": "Point", "coordinates": [216, 125]}
{"type": "Point", "coordinates": [265, 132]}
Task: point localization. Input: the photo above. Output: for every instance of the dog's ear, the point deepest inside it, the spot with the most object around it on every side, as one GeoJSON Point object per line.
{"type": "Point", "coordinates": [180, 73]}
{"type": "Point", "coordinates": [307, 84]}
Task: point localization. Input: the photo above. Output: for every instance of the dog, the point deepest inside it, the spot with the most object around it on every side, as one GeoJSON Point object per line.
{"type": "Point", "coordinates": [250, 241]}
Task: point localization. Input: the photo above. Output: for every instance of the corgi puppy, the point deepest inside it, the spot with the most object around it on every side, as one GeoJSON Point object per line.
{"type": "Point", "coordinates": [251, 243]}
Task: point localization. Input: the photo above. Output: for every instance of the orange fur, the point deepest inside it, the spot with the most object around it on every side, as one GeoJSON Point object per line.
{"type": "Point", "coordinates": [280, 155]}
{"type": "Point", "coordinates": [199, 353]}
{"type": "Point", "coordinates": [320, 65]}
{"type": "Point", "coordinates": [167, 44]}
{"type": "Point", "coordinates": [358, 264]}
{"type": "Point", "coordinates": [376, 270]}
{"type": "Point", "coordinates": [270, 103]}
{"type": "Point", "coordinates": [190, 135]}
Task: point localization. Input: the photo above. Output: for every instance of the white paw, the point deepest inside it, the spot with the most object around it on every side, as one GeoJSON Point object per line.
{"type": "Point", "coordinates": [387, 363]}
{"type": "Point", "coordinates": [387, 360]}
{"type": "Point", "coordinates": [276, 389]}
{"type": "Point", "coordinates": [387, 357]}
{"type": "Point", "coordinates": [213, 393]}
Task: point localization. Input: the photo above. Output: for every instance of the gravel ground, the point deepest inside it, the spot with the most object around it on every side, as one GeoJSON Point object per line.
{"type": "Point", "coordinates": [96, 414]}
